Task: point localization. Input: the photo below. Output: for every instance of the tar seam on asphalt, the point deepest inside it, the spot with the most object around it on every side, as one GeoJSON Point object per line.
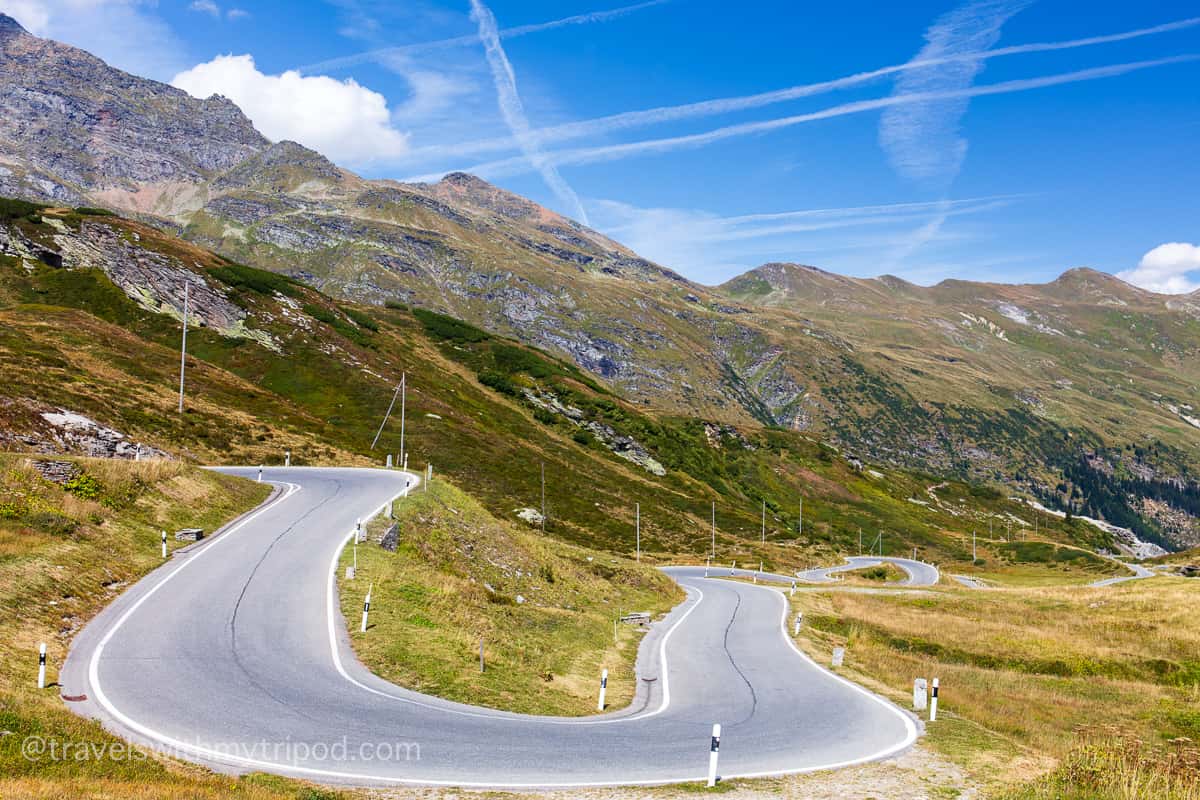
{"type": "Point", "coordinates": [736, 668]}
{"type": "Point", "coordinates": [241, 595]}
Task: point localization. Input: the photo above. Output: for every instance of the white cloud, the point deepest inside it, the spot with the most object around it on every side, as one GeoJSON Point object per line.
{"type": "Point", "coordinates": [922, 140]}
{"type": "Point", "coordinates": [236, 13]}
{"type": "Point", "coordinates": [205, 7]}
{"type": "Point", "coordinates": [33, 15]}
{"type": "Point", "coordinates": [655, 116]}
{"type": "Point", "coordinates": [347, 122]}
{"type": "Point", "coordinates": [603, 153]}
{"type": "Point", "coordinates": [127, 34]}
{"type": "Point", "coordinates": [470, 39]}
{"type": "Point", "coordinates": [710, 248]}
{"type": "Point", "coordinates": [513, 111]}
{"type": "Point", "coordinates": [1172, 268]}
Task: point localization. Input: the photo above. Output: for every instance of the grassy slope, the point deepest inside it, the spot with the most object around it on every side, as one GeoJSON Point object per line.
{"type": "Point", "coordinates": [1029, 674]}
{"type": "Point", "coordinates": [63, 557]}
{"type": "Point", "coordinates": [431, 605]}
{"type": "Point", "coordinates": [323, 398]}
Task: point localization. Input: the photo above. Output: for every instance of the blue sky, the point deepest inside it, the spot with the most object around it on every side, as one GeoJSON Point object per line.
{"type": "Point", "coordinates": [899, 149]}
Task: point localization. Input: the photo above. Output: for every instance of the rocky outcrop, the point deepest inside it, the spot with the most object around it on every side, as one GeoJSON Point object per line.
{"type": "Point", "coordinates": [77, 125]}
{"type": "Point", "coordinates": [154, 280]}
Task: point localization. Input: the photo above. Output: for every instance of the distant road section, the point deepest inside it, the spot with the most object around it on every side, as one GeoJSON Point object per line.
{"type": "Point", "coordinates": [918, 572]}
{"type": "Point", "coordinates": [235, 654]}
{"type": "Point", "coordinates": [1139, 572]}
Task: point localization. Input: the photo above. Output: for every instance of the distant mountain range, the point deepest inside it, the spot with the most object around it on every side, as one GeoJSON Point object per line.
{"type": "Point", "coordinates": [1084, 383]}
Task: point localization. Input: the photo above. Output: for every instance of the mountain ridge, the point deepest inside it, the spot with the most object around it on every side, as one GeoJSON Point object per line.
{"type": "Point", "coordinates": [974, 379]}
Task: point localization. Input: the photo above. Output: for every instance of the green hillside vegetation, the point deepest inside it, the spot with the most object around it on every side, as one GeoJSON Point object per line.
{"type": "Point", "coordinates": [485, 410]}
{"type": "Point", "coordinates": [545, 610]}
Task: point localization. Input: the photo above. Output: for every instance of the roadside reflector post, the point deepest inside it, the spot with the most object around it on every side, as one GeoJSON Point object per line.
{"type": "Point", "coordinates": [164, 544]}
{"type": "Point", "coordinates": [42, 666]}
{"type": "Point", "coordinates": [792, 593]}
{"type": "Point", "coordinates": [367, 607]}
{"type": "Point", "coordinates": [603, 689]}
{"type": "Point", "coordinates": [706, 567]}
{"type": "Point", "coordinates": [713, 751]}
{"type": "Point", "coordinates": [839, 655]}
{"type": "Point", "coordinates": [287, 458]}
{"type": "Point", "coordinates": [933, 702]}
{"type": "Point", "coordinates": [357, 530]}
{"type": "Point", "coordinates": [799, 622]}
{"type": "Point", "coordinates": [920, 694]}
{"type": "Point", "coordinates": [389, 461]}
{"type": "Point", "coordinates": [260, 469]}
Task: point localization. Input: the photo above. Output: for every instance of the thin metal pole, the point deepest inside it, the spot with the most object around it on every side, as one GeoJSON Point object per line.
{"type": "Point", "coordinates": [764, 521]}
{"type": "Point", "coordinates": [391, 405]}
{"type": "Point", "coordinates": [403, 399]}
{"type": "Point", "coordinates": [714, 530]}
{"type": "Point", "coordinates": [638, 514]}
{"type": "Point", "coordinates": [183, 347]}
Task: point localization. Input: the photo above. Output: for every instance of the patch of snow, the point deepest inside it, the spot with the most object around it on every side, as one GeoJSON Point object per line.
{"type": "Point", "coordinates": [1015, 313]}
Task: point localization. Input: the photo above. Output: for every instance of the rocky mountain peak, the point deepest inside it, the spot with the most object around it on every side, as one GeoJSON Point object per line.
{"type": "Point", "coordinates": [77, 126]}
{"type": "Point", "coordinates": [9, 26]}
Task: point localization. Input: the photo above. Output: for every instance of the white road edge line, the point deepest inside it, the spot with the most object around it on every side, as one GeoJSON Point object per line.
{"type": "Point", "coordinates": [333, 615]}
{"type": "Point", "coordinates": [219, 757]}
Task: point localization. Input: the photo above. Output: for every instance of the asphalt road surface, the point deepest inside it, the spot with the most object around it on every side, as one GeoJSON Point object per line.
{"type": "Point", "coordinates": [918, 573]}
{"type": "Point", "coordinates": [235, 654]}
{"type": "Point", "coordinates": [1139, 572]}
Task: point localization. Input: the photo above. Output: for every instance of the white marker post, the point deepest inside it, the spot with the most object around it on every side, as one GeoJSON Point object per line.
{"type": "Point", "coordinates": [389, 460]}
{"type": "Point", "coordinates": [164, 544]}
{"type": "Point", "coordinates": [706, 567]}
{"type": "Point", "coordinates": [713, 751]}
{"type": "Point", "coordinates": [603, 689]}
{"type": "Point", "coordinates": [367, 607]}
{"type": "Point", "coordinates": [933, 702]}
{"type": "Point", "coordinates": [287, 458]}
{"type": "Point", "coordinates": [839, 655]}
{"type": "Point", "coordinates": [920, 694]}
{"type": "Point", "coordinates": [357, 531]}
{"type": "Point", "coordinates": [260, 469]}
{"type": "Point", "coordinates": [799, 622]}
{"type": "Point", "coordinates": [42, 666]}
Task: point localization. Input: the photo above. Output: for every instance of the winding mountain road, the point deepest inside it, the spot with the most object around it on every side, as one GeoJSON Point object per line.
{"type": "Point", "coordinates": [235, 654]}
{"type": "Point", "coordinates": [917, 573]}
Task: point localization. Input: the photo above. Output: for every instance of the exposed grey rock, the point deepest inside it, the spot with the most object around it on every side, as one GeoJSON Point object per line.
{"type": "Point", "coordinates": [56, 471]}
{"type": "Point", "coordinates": [391, 538]}
{"type": "Point", "coordinates": [80, 123]}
